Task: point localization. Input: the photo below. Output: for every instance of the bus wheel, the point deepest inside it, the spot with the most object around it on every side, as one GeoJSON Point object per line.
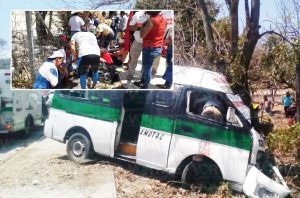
{"type": "Point", "coordinates": [28, 128]}
{"type": "Point", "coordinates": [79, 148]}
{"type": "Point", "coordinates": [205, 172]}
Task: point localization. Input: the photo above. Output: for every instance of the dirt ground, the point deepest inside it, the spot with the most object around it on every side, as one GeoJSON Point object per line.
{"type": "Point", "coordinates": [38, 167]}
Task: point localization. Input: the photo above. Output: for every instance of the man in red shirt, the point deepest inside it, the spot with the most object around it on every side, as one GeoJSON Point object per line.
{"type": "Point", "coordinates": [153, 36]}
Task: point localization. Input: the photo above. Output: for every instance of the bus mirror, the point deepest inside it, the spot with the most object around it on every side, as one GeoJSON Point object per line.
{"type": "Point", "coordinates": [230, 117]}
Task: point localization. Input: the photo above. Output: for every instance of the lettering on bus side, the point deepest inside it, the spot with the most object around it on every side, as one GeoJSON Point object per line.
{"type": "Point", "coordinates": [151, 134]}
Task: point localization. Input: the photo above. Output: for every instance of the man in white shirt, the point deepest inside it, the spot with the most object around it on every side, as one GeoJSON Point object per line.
{"type": "Point", "coordinates": [86, 51]}
{"type": "Point", "coordinates": [76, 23]}
{"type": "Point", "coordinates": [135, 24]}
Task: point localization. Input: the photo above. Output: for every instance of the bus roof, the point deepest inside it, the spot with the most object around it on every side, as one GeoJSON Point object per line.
{"type": "Point", "coordinates": [198, 77]}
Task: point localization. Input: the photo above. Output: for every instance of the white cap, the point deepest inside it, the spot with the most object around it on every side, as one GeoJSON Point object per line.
{"type": "Point", "coordinates": [57, 53]}
{"type": "Point", "coordinates": [73, 12]}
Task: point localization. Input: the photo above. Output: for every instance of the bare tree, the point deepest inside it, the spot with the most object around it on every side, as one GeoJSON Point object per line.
{"type": "Point", "coordinates": [30, 42]}
{"type": "Point", "coordinates": [40, 27]}
{"type": "Point", "coordinates": [234, 24]}
{"type": "Point", "coordinates": [95, 4]}
{"type": "Point", "coordinates": [207, 26]}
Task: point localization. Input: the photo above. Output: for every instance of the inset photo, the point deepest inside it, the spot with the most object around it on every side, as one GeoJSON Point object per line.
{"type": "Point", "coordinates": [109, 49]}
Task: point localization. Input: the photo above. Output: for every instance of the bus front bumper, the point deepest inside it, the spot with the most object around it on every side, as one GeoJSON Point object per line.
{"type": "Point", "coordinates": [258, 185]}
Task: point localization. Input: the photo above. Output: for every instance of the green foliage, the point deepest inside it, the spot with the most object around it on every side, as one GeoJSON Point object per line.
{"type": "Point", "coordinates": [285, 140]}
{"type": "Point", "coordinates": [278, 61]}
{"type": "Point", "coordinates": [222, 29]}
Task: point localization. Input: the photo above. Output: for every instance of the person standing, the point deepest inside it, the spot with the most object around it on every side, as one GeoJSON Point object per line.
{"type": "Point", "coordinates": [267, 105]}
{"type": "Point", "coordinates": [135, 25]}
{"type": "Point", "coordinates": [47, 76]}
{"type": "Point", "coordinates": [153, 36]}
{"type": "Point", "coordinates": [287, 101]}
{"type": "Point", "coordinates": [122, 23]}
{"type": "Point", "coordinates": [168, 75]}
{"type": "Point", "coordinates": [86, 51]}
{"type": "Point", "coordinates": [76, 23]}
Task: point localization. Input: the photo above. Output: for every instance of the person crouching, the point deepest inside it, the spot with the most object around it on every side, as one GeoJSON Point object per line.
{"type": "Point", "coordinates": [86, 51]}
{"type": "Point", "coordinates": [47, 76]}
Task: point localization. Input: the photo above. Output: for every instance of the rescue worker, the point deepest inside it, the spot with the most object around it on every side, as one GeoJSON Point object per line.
{"type": "Point", "coordinates": [86, 52]}
{"type": "Point", "coordinates": [47, 76]}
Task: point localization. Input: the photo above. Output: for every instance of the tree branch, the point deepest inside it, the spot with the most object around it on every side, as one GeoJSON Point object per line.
{"type": "Point", "coordinates": [278, 34]}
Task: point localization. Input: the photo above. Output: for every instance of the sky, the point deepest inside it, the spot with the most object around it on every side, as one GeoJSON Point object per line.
{"type": "Point", "coordinates": [268, 12]}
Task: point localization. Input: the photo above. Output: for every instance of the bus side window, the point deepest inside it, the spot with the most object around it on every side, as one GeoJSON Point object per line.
{"type": "Point", "coordinates": [163, 98]}
{"type": "Point", "coordinates": [104, 97]}
{"type": "Point", "coordinates": [75, 94]}
{"type": "Point", "coordinates": [207, 105]}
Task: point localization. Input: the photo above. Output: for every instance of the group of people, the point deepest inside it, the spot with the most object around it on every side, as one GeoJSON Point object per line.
{"type": "Point", "coordinates": [95, 39]}
{"type": "Point", "coordinates": [288, 102]}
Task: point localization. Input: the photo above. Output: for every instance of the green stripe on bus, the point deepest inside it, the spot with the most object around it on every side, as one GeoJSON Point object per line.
{"type": "Point", "coordinates": [6, 109]}
{"type": "Point", "coordinates": [85, 109]}
{"type": "Point", "coordinates": [241, 140]}
{"type": "Point", "coordinates": [157, 123]}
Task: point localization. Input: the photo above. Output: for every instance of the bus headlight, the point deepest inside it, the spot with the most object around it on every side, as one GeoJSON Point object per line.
{"type": "Point", "coordinates": [263, 192]}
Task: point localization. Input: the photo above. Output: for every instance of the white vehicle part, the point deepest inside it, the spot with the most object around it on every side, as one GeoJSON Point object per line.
{"type": "Point", "coordinates": [182, 147]}
{"type": "Point", "coordinates": [101, 132]}
{"type": "Point", "coordinates": [258, 145]}
{"type": "Point", "coordinates": [48, 128]}
{"type": "Point", "coordinates": [258, 185]}
{"type": "Point", "coordinates": [153, 148]}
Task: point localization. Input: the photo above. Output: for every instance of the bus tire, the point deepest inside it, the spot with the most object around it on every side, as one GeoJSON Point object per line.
{"type": "Point", "coordinates": [79, 148]}
{"type": "Point", "coordinates": [28, 127]}
{"type": "Point", "coordinates": [204, 172]}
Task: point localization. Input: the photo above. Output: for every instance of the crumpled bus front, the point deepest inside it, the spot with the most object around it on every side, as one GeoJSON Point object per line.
{"type": "Point", "coordinates": [258, 185]}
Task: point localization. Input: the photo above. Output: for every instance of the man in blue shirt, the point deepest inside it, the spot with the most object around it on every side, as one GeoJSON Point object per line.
{"type": "Point", "coordinates": [287, 101]}
{"type": "Point", "coordinates": [47, 76]}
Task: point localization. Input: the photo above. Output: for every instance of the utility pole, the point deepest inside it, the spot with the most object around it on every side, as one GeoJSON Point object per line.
{"type": "Point", "coordinates": [30, 43]}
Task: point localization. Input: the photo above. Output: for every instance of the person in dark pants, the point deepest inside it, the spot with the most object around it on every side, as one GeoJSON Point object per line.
{"type": "Point", "coordinates": [287, 101]}
{"type": "Point", "coordinates": [88, 56]}
{"type": "Point", "coordinates": [153, 36]}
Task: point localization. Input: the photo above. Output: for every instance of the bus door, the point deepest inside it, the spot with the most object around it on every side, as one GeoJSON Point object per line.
{"type": "Point", "coordinates": [156, 129]}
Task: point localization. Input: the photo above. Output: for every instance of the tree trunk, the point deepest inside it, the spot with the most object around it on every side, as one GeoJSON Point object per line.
{"type": "Point", "coordinates": [252, 37]}
{"type": "Point", "coordinates": [50, 20]}
{"type": "Point", "coordinates": [210, 43]}
{"type": "Point", "coordinates": [234, 25]}
{"type": "Point", "coordinates": [40, 28]}
{"type": "Point", "coordinates": [30, 43]}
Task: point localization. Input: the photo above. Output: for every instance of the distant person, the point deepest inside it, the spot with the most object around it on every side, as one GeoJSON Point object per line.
{"type": "Point", "coordinates": [76, 23]}
{"type": "Point", "coordinates": [47, 76]}
{"type": "Point", "coordinates": [91, 23]}
{"type": "Point", "coordinates": [123, 22]}
{"type": "Point", "coordinates": [86, 51]}
{"type": "Point", "coordinates": [287, 101]}
{"type": "Point", "coordinates": [267, 105]}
